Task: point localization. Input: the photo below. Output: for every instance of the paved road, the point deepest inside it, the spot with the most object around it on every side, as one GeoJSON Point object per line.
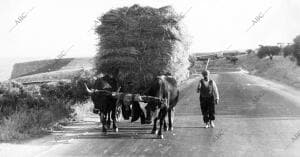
{"type": "Point", "coordinates": [254, 118]}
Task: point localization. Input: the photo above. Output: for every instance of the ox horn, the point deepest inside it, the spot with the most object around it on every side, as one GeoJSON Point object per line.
{"type": "Point", "coordinates": [87, 89]}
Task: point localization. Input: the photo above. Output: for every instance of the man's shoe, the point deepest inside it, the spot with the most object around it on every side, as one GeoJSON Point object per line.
{"type": "Point", "coordinates": [212, 124]}
{"type": "Point", "coordinates": [207, 125]}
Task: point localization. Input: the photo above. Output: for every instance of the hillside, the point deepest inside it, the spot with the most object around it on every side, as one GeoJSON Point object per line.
{"type": "Point", "coordinates": [6, 65]}
{"type": "Point", "coordinates": [279, 69]}
{"type": "Point", "coordinates": [43, 66]}
{"type": "Point", "coordinates": [49, 70]}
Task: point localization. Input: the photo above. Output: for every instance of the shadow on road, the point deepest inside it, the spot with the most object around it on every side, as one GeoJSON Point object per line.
{"type": "Point", "coordinates": [94, 131]}
{"type": "Point", "coordinates": [189, 127]}
{"type": "Point", "coordinates": [119, 135]}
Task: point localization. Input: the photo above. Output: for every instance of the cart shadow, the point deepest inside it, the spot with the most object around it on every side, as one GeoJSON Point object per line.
{"type": "Point", "coordinates": [143, 132]}
{"type": "Point", "coordinates": [119, 135]}
{"type": "Point", "coordinates": [189, 127]}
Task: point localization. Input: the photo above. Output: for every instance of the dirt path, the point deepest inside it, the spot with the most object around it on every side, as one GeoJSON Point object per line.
{"type": "Point", "coordinates": [254, 118]}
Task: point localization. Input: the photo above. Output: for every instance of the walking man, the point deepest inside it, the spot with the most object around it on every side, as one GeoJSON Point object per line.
{"type": "Point", "coordinates": [209, 97]}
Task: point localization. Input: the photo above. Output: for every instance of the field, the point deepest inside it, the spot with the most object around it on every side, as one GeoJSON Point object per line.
{"type": "Point", "coordinates": [50, 70]}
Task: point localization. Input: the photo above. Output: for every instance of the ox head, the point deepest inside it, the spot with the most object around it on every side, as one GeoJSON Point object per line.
{"type": "Point", "coordinates": [148, 110]}
{"type": "Point", "coordinates": [100, 83]}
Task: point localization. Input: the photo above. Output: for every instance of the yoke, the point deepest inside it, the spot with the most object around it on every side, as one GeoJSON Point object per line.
{"type": "Point", "coordinates": [133, 97]}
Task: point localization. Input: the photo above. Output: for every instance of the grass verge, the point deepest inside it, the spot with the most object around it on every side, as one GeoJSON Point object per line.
{"type": "Point", "coordinates": [26, 123]}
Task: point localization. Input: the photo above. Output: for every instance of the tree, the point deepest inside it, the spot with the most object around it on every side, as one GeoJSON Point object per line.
{"type": "Point", "coordinates": [234, 59]}
{"type": "Point", "coordinates": [288, 50]}
{"type": "Point", "coordinates": [270, 51]}
{"type": "Point", "coordinates": [249, 51]}
{"type": "Point", "coordinates": [296, 52]}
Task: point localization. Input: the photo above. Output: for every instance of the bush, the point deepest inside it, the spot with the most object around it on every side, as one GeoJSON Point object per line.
{"type": "Point", "coordinates": [60, 90]}
{"type": "Point", "coordinates": [72, 91]}
{"type": "Point", "coordinates": [270, 51]}
{"type": "Point", "coordinates": [249, 51]}
{"type": "Point", "coordinates": [79, 93]}
{"type": "Point", "coordinates": [233, 59]}
{"type": "Point", "coordinates": [24, 113]}
{"type": "Point", "coordinates": [14, 98]}
{"type": "Point", "coordinates": [30, 122]}
{"type": "Point", "coordinates": [297, 49]}
{"type": "Point", "coordinates": [288, 50]}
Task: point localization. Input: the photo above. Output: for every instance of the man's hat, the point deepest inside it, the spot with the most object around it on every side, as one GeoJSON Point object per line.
{"type": "Point", "coordinates": [205, 72]}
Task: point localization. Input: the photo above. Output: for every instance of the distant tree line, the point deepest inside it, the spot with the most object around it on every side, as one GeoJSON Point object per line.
{"type": "Point", "coordinates": [292, 50]}
{"type": "Point", "coordinates": [269, 51]}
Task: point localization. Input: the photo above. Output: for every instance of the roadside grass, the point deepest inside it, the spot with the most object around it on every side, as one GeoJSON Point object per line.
{"type": "Point", "coordinates": [33, 122]}
{"type": "Point", "coordinates": [82, 110]}
{"type": "Point", "coordinates": [279, 69]}
{"type": "Point", "coordinates": [22, 124]}
{"type": "Point", "coordinates": [33, 111]}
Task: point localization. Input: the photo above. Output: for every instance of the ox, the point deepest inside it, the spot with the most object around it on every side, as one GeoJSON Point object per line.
{"type": "Point", "coordinates": [165, 88]}
{"type": "Point", "coordinates": [104, 102]}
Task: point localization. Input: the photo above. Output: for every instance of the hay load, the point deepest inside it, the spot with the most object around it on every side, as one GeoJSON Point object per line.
{"type": "Point", "coordinates": [138, 43]}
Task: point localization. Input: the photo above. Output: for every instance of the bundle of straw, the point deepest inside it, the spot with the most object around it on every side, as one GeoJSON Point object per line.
{"type": "Point", "coordinates": [138, 43]}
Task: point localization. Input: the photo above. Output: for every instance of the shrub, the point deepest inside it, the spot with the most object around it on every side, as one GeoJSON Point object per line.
{"type": "Point", "coordinates": [249, 51]}
{"type": "Point", "coordinates": [288, 50]}
{"type": "Point", "coordinates": [270, 51]}
{"type": "Point", "coordinates": [13, 97]}
{"type": "Point", "coordinates": [233, 59]}
{"type": "Point", "coordinates": [58, 90]}
{"type": "Point", "coordinates": [72, 91]}
{"type": "Point", "coordinates": [30, 122]}
{"type": "Point", "coordinates": [23, 113]}
{"type": "Point", "coordinates": [29, 110]}
{"type": "Point", "coordinates": [79, 93]}
{"type": "Point", "coordinates": [297, 49]}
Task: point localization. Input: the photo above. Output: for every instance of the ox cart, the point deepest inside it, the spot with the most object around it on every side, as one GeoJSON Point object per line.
{"type": "Point", "coordinates": [161, 98]}
{"type": "Point", "coordinates": [129, 98]}
{"type": "Point", "coordinates": [160, 104]}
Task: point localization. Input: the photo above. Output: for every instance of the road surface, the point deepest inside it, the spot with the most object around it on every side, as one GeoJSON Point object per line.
{"type": "Point", "coordinates": [255, 117]}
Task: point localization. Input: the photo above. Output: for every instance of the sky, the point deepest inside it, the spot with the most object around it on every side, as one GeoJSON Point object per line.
{"type": "Point", "coordinates": [53, 26]}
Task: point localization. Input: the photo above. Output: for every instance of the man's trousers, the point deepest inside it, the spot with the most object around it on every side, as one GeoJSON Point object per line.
{"type": "Point", "coordinates": [207, 105]}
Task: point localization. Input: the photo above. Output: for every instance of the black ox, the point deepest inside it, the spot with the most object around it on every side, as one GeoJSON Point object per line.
{"type": "Point", "coordinates": [165, 88]}
{"type": "Point", "coordinates": [104, 102]}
